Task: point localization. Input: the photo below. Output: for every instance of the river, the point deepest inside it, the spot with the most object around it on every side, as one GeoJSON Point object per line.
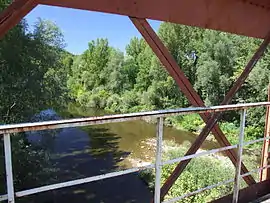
{"type": "Point", "coordinates": [93, 150]}
{"type": "Point", "coordinates": [131, 137]}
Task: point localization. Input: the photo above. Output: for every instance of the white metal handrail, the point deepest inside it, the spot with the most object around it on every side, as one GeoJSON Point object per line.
{"type": "Point", "coordinates": [7, 130]}
{"type": "Point", "coordinates": [77, 122]}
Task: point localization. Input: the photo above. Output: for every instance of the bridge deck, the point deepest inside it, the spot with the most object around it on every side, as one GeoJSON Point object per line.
{"type": "Point", "coordinates": [259, 192]}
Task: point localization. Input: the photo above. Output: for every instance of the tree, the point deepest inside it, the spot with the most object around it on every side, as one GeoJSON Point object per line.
{"type": "Point", "coordinates": [29, 76]}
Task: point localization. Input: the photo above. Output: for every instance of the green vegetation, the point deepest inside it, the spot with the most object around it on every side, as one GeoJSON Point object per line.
{"type": "Point", "coordinates": [104, 77]}
{"type": "Point", "coordinates": [33, 71]}
{"type": "Point", "coordinates": [200, 172]}
{"type": "Point", "coordinates": [194, 123]}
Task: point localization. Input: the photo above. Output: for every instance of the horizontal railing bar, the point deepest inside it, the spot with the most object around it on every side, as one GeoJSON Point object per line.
{"type": "Point", "coordinates": [212, 151]}
{"type": "Point", "coordinates": [3, 197]}
{"type": "Point", "coordinates": [255, 141]}
{"type": "Point", "coordinates": [113, 174]}
{"type": "Point", "coordinates": [118, 173]}
{"type": "Point", "coordinates": [28, 192]}
{"type": "Point", "coordinates": [24, 127]}
{"type": "Point", "coordinates": [81, 181]}
{"type": "Point", "coordinates": [255, 171]}
{"type": "Point", "coordinates": [198, 191]}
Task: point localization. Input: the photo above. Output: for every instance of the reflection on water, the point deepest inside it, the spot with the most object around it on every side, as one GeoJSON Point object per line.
{"type": "Point", "coordinates": [134, 135]}
{"type": "Point", "coordinates": [93, 150]}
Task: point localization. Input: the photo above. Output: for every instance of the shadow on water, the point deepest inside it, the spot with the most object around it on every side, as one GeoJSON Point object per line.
{"type": "Point", "coordinates": [93, 150]}
{"type": "Point", "coordinates": [82, 152]}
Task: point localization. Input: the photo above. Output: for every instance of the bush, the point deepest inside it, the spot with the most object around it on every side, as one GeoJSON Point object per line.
{"type": "Point", "coordinates": [129, 100]}
{"type": "Point", "coordinates": [97, 98]}
{"type": "Point", "coordinates": [113, 103]}
{"type": "Point", "coordinates": [194, 123]}
{"type": "Point", "coordinates": [201, 172]}
{"type": "Point", "coordinates": [189, 122]}
{"type": "Point", "coordinates": [253, 132]}
{"type": "Point", "coordinates": [231, 131]}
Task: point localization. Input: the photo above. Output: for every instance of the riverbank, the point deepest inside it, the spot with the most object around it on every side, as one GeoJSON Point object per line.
{"type": "Point", "coordinates": [251, 158]}
{"type": "Point", "coordinates": [193, 123]}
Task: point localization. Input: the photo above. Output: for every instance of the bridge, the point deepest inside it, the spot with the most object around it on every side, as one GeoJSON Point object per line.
{"type": "Point", "coordinates": [224, 15]}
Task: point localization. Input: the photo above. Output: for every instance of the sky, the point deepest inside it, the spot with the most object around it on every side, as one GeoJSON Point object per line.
{"type": "Point", "coordinates": [79, 27]}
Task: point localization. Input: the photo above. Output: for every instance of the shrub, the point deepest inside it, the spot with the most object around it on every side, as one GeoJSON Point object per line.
{"type": "Point", "coordinates": [113, 103]}
{"type": "Point", "coordinates": [231, 131]}
{"type": "Point", "coordinates": [201, 172]}
{"type": "Point", "coordinates": [189, 122]}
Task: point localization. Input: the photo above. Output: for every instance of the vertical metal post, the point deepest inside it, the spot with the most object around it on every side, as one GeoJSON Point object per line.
{"type": "Point", "coordinates": [264, 174]}
{"type": "Point", "coordinates": [9, 174]}
{"type": "Point", "coordinates": [158, 166]}
{"type": "Point", "coordinates": [239, 157]}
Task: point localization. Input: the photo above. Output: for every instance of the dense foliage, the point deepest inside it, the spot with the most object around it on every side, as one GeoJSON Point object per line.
{"type": "Point", "coordinates": [210, 59]}
{"type": "Point", "coordinates": [33, 71]}
{"type": "Point", "coordinates": [104, 77]}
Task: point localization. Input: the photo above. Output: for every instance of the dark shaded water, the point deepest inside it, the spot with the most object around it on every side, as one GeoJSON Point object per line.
{"type": "Point", "coordinates": [88, 151]}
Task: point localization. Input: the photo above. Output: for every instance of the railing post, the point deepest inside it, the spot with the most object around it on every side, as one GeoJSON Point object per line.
{"type": "Point", "coordinates": [158, 167]}
{"type": "Point", "coordinates": [239, 157]}
{"type": "Point", "coordinates": [264, 174]}
{"type": "Point", "coordinates": [9, 174]}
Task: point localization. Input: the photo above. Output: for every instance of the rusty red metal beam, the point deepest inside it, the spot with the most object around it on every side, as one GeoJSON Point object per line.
{"type": "Point", "coordinates": [178, 75]}
{"type": "Point", "coordinates": [265, 174]}
{"type": "Point", "coordinates": [12, 15]}
{"type": "Point", "coordinates": [225, 15]}
{"type": "Point", "coordinates": [248, 194]}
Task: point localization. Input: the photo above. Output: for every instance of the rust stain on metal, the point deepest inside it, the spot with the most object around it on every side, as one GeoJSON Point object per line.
{"type": "Point", "coordinates": [265, 174]}
{"type": "Point", "coordinates": [12, 15]}
{"type": "Point", "coordinates": [24, 127]}
{"type": "Point", "coordinates": [248, 194]}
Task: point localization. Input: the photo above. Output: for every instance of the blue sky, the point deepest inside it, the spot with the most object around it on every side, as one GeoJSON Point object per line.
{"type": "Point", "coordinates": [79, 27]}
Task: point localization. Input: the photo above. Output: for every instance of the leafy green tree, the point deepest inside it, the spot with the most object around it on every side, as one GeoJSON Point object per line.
{"type": "Point", "coordinates": [30, 71]}
{"type": "Point", "coordinates": [104, 77]}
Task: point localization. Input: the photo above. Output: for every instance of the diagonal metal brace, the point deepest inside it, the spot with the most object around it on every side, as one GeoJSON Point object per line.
{"type": "Point", "coordinates": [12, 15]}
{"type": "Point", "coordinates": [178, 75]}
{"type": "Point", "coordinates": [265, 174]}
{"type": "Point", "coordinates": [216, 116]}
{"type": "Point", "coordinates": [174, 70]}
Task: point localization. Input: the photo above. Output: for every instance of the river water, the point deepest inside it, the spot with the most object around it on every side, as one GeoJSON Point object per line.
{"type": "Point", "coordinates": [131, 137]}
{"type": "Point", "coordinates": [93, 150]}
